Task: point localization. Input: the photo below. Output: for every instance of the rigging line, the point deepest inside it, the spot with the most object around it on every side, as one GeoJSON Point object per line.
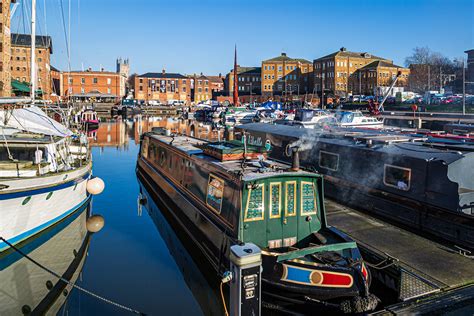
{"type": "Point", "coordinates": [131, 310]}
{"type": "Point", "coordinates": [65, 34]}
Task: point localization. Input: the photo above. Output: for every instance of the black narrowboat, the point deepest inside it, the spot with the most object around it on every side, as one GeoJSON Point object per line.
{"type": "Point", "coordinates": [410, 180]}
{"type": "Point", "coordinates": [225, 193]}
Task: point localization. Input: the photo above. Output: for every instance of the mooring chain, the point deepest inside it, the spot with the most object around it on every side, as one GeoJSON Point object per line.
{"type": "Point", "coordinates": [131, 310]}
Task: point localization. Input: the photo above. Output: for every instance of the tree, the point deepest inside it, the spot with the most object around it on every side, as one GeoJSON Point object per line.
{"type": "Point", "coordinates": [429, 70]}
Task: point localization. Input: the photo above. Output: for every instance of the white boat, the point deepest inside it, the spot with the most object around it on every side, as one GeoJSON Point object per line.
{"type": "Point", "coordinates": [30, 290]}
{"type": "Point", "coordinates": [308, 118]}
{"type": "Point", "coordinates": [44, 173]}
{"type": "Point", "coordinates": [357, 119]}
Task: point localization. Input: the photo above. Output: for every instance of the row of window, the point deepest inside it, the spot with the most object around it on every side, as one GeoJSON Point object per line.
{"type": "Point", "coordinates": [255, 203]}
{"type": "Point", "coordinates": [280, 68]}
{"type": "Point", "coordinates": [279, 87]}
{"type": "Point", "coordinates": [94, 80]}
{"type": "Point", "coordinates": [249, 79]}
{"type": "Point", "coordinates": [40, 51]}
{"type": "Point", "coordinates": [394, 176]}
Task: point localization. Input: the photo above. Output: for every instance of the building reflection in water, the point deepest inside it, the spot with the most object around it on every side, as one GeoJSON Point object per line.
{"type": "Point", "coordinates": [143, 124]}
{"type": "Point", "coordinates": [28, 289]}
{"type": "Point", "coordinates": [110, 134]}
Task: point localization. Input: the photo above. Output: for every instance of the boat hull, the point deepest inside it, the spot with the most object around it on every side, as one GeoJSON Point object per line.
{"type": "Point", "coordinates": [61, 248]}
{"type": "Point", "coordinates": [31, 205]}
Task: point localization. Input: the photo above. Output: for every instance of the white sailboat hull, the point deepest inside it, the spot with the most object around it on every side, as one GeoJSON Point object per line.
{"type": "Point", "coordinates": [30, 205]}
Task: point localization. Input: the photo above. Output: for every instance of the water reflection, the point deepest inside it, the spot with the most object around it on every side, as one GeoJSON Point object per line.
{"type": "Point", "coordinates": [195, 269]}
{"type": "Point", "coordinates": [25, 287]}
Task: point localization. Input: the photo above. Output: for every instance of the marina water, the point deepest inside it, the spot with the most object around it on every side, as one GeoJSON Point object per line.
{"type": "Point", "coordinates": [136, 260]}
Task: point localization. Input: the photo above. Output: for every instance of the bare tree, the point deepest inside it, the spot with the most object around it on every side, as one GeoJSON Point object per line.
{"type": "Point", "coordinates": [429, 70]}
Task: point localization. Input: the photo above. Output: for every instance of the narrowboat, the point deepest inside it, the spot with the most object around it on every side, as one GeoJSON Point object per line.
{"type": "Point", "coordinates": [225, 193]}
{"type": "Point", "coordinates": [409, 180]}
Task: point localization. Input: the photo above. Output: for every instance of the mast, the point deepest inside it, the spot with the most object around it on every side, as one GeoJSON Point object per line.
{"type": "Point", "coordinates": [236, 85]}
{"type": "Point", "coordinates": [33, 50]}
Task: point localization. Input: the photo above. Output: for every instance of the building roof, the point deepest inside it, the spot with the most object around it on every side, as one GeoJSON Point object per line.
{"type": "Point", "coordinates": [163, 75]}
{"type": "Point", "coordinates": [344, 53]}
{"type": "Point", "coordinates": [215, 79]}
{"type": "Point", "coordinates": [283, 57]}
{"type": "Point", "coordinates": [92, 72]}
{"type": "Point", "coordinates": [469, 51]}
{"type": "Point", "coordinates": [380, 63]}
{"type": "Point", "coordinates": [54, 68]}
{"type": "Point", "coordinates": [25, 40]}
{"type": "Point", "coordinates": [247, 70]}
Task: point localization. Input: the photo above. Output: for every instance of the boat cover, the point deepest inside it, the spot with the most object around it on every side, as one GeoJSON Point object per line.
{"type": "Point", "coordinates": [33, 119]}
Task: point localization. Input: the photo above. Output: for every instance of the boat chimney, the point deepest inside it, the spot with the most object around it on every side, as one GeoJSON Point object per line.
{"type": "Point", "coordinates": [295, 164]}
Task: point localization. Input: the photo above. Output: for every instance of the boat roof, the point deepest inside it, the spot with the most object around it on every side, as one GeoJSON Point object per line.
{"type": "Point", "coordinates": [382, 141]}
{"type": "Point", "coordinates": [253, 169]}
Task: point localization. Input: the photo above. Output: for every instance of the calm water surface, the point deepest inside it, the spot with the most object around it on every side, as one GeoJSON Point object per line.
{"type": "Point", "coordinates": [129, 261]}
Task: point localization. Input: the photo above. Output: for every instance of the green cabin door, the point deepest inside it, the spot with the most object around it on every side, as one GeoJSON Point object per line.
{"type": "Point", "coordinates": [274, 210]}
{"type": "Point", "coordinates": [308, 215]}
{"type": "Point", "coordinates": [254, 219]}
{"type": "Point", "coordinates": [290, 218]}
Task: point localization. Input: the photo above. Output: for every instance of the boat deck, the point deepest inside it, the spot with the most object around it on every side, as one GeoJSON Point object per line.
{"type": "Point", "coordinates": [441, 266]}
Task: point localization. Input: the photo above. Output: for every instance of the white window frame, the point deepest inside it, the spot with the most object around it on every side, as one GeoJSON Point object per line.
{"type": "Point", "coordinates": [329, 153]}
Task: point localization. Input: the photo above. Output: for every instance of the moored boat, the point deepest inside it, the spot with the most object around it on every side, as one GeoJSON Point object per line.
{"type": "Point", "coordinates": [221, 199]}
{"type": "Point", "coordinates": [357, 119]}
{"type": "Point", "coordinates": [44, 173]}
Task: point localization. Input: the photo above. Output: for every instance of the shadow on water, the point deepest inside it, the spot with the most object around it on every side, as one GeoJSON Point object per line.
{"type": "Point", "coordinates": [197, 273]}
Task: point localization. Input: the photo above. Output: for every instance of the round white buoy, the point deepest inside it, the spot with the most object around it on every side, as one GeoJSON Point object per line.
{"type": "Point", "coordinates": [95, 186]}
{"type": "Point", "coordinates": [95, 223]}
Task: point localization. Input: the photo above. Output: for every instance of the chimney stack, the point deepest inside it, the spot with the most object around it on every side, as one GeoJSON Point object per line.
{"type": "Point", "coordinates": [163, 71]}
{"type": "Point", "coordinates": [283, 54]}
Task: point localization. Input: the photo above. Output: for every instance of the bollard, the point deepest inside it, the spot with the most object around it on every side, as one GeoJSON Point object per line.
{"type": "Point", "coordinates": [245, 287]}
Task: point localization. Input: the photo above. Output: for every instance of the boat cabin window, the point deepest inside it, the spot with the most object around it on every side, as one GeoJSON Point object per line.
{"type": "Point", "coordinates": [255, 203]}
{"type": "Point", "coordinates": [397, 177]}
{"type": "Point", "coordinates": [328, 160]}
{"type": "Point", "coordinates": [21, 153]}
{"type": "Point", "coordinates": [290, 209]}
{"type": "Point", "coordinates": [308, 198]}
{"type": "Point", "coordinates": [162, 157]}
{"type": "Point", "coordinates": [275, 200]}
{"type": "Point", "coordinates": [215, 193]}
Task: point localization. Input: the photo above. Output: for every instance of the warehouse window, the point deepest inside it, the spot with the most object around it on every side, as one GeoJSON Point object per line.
{"type": "Point", "coordinates": [397, 177]}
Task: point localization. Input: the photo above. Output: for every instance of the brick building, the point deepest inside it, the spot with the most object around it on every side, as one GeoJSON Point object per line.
{"type": "Point", "coordinates": [91, 84]}
{"type": "Point", "coordinates": [21, 61]}
{"type": "Point", "coordinates": [248, 81]}
{"type": "Point", "coordinates": [375, 78]}
{"type": "Point", "coordinates": [5, 46]}
{"type": "Point", "coordinates": [333, 71]}
{"type": "Point", "coordinates": [200, 88]}
{"type": "Point", "coordinates": [470, 71]}
{"type": "Point", "coordinates": [217, 84]}
{"type": "Point", "coordinates": [55, 84]}
{"type": "Point", "coordinates": [162, 87]}
{"type": "Point", "coordinates": [283, 75]}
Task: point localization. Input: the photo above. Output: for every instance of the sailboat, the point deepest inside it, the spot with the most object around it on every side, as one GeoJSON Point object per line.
{"type": "Point", "coordinates": [45, 168]}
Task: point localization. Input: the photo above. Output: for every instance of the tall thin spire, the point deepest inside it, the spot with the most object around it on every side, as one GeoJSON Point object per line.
{"type": "Point", "coordinates": [236, 85]}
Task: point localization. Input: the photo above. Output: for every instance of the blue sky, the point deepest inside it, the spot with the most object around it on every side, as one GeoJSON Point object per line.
{"type": "Point", "coordinates": [192, 36]}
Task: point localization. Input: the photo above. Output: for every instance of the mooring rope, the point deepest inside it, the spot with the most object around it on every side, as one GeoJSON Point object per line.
{"type": "Point", "coordinates": [131, 310]}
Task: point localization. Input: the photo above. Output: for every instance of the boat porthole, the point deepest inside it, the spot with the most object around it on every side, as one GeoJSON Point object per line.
{"type": "Point", "coordinates": [26, 200]}
{"type": "Point", "coordinates": [50, 194]}
{"type": "Point", "coordinates": [65, 292]}
{"type": "Point", "coordinates": [26, 310]}
{"type": "Point", "coordinates": [49, 285]}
